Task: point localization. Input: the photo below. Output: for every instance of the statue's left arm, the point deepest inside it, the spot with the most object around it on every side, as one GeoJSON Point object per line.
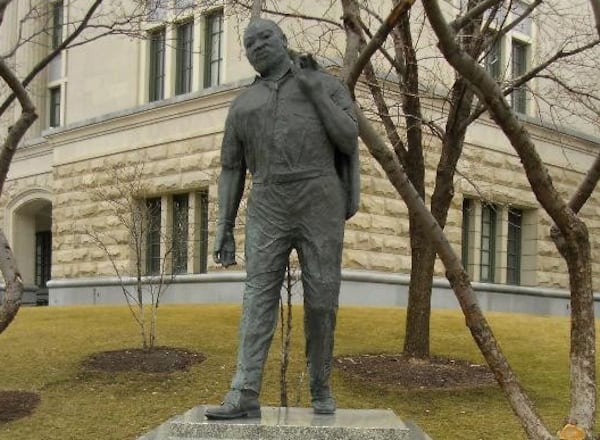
{"type": "Point", "coordinates": [334, 106]}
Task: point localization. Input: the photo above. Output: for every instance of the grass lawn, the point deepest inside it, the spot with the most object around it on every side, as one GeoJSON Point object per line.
{"type": "Point", "coordinates": [42, 351]}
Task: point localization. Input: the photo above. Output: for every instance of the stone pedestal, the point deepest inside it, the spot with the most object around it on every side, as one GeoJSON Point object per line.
{"type": "Point", "coordinates": [290, 424]}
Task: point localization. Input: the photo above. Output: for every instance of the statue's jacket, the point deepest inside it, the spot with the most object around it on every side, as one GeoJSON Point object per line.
{"type": "Point", "coordinates": [274, 131]}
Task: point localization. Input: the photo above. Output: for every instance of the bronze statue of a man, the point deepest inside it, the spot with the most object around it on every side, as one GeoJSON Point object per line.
{"type": "Point", "coordinates": [295, 130]}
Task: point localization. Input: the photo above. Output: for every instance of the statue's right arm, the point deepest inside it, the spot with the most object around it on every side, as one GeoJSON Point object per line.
{"type": "Point", "coordinates": [230, 190]}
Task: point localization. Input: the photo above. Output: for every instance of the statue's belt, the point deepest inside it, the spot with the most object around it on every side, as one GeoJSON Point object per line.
{"type": "Point", "coordinates": [292, 176]}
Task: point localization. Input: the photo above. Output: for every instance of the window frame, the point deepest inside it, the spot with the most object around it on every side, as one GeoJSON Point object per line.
{"type": "Point", "coordinates": [494, 68]}
{"type": "Point", "coordinates": [518, 64]}
{"type": "Point", "coordinates": [56, 37]}
{"type": "Point", "coordinates": [184, 61]}
{"type": "Point", "coordinates": [43, 258]}
{"type": "Point", "coordinates": [157, 64]}
{"type": "Point", "coordinates": [180, 233]}
{"type": "Point", "coordinates": [514, 246]}
{"type": "Point", "coordinates": [54, 106]}
{"type": "Point", "coordinates": [490, 249]}
{"type": "Point", "coordinates": [467, 207]}
{"type": "Point", "coordinates": [210, 36]}
{"type": "Point", "coordinates": [153, 236]}
{"type": "Point", "coordinates": [203, 208]}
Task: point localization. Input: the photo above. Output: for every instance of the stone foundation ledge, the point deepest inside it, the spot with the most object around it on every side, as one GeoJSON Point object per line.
{"type": "Point", "coordinates": [290, 424]}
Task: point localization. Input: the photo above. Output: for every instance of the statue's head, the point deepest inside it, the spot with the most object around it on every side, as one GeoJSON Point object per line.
{"type": "Point", "coordinates": [266, 45]}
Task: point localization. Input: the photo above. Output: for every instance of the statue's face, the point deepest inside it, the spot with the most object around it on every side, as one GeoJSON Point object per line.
{"type": "Point", "coordinates": [265, 45]}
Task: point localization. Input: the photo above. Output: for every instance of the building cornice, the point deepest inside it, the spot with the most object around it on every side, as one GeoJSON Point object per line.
{"type": "Point", "coordinates": [146, 114]}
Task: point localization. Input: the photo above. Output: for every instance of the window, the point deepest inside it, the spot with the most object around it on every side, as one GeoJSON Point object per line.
{"type": "Point", "coordinates": [54, 108]}
{"type": "Point", "coordinates": [43, 258]}
{"type": "Point", "coordinates": [519, 67]}
{"type": "Point", "coordinates": [466, 226]}
{"type": "Point", "coordinates": [57, 24]}
{"type": "Point", "coordinates": [213, 58]}
{"type": "Point", "coordinates": [183, 67]}
{"type": "Point", "coordinates": [493, 59]}
{"type": "Point", "coordinates": [180, 233]}
{"type": "Point", "coordinates": [203, 232]}
{"type": "Point", "coordinates": [157, 65]}
{"type": "Point", "coordinates": [488, 243]}
{"type": "Point", "coordinates": [499, 243]}
{"type": "Point", "coordinates": [513, 246]}
{"type": "Point", "coordinates": [185, 241]}
{"type": "Point", "coordinates": [153, 235]}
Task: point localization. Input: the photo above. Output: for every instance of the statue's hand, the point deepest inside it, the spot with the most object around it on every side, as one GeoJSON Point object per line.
{"type": "Point", "coordinates": [224, 252]}
{"type": "Point", "coordinates": [305, 70]}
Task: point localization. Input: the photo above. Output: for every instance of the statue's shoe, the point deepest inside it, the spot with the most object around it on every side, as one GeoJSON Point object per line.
{"type": "Point", "coordinates": [324, 405]}
{"type": "Point", "coordinates": [237, 404]}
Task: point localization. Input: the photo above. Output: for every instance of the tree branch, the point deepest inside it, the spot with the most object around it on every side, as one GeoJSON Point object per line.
{"type": "Point", "coordinates": [46, 60]}
{"type": "Point", "coordinates": [13, 284]}
{"type": "Point", "coordinates": [587, 186]}
{"type": "Point", "coordinates": [534, 72]}
{"type": "Point", "coordinates": [392, 19]}
{"type": "Point", "coordinates": [583, 386]}
{"type": "Point", "coordinates": [18, 130]}
{"type": "Point", "coordinates": [472, 13]}
{"type": "Point", "coordinates": [292, 15]}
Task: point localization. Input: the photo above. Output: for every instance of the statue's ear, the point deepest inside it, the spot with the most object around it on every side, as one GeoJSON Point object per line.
{"type": "Point", "coordinates": [285, 41]}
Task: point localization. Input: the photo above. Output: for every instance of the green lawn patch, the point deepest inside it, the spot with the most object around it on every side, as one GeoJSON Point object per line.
{"type": "Point", "coordinates": [43, 351]}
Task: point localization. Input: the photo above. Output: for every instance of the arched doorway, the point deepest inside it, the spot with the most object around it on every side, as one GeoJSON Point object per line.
{"type": "Point", "coordinates": [31, 233]}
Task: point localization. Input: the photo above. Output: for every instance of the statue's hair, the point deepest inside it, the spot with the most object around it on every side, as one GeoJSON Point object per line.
{"type": "Point", "coordinates": [270, 22]}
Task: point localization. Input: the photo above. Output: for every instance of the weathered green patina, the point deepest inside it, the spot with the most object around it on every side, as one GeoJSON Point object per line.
{"type": "Point", "coordinates": [295, 131]}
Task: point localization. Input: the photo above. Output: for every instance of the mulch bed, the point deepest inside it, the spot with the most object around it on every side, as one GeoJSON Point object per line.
{"type": "Point", "coordinates": [410, 373]}
{"type": "Point", "coordinates": [157, 360]}
{"type": "Point", "coordinates": [375, 369]}
{"type": "Point", "coordinates": [17, 404]}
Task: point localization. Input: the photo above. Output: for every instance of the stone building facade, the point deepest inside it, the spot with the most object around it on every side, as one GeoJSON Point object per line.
{"type": "Point", "coordinates": [100, 110]}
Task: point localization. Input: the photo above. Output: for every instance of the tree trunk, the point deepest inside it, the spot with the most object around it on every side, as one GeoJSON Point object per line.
{"type": "Point", "coordinates": [459, 280]}
{"type": "Point", "coordinates": [418, 312]}
{"type": "Point", "coordinates": [578, 256]}
{"type": "Point", "coordinates": [13, 290]}
{"type": "Point", "coordinates": [13, 284]}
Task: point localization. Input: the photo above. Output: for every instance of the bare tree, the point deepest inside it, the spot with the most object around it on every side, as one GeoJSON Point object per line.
{"type": "Point", "coordinates": [16, 86]}
{"type": "Point", "coordinates": [291, 286]}
{"type": "Point", "coordinates": [461, 109]}
{"type": "Point", "coordinates": [572, 228]}
{"type": "Point", "coordinates": [89, 21]}
{"type": "Point", "coordinates": [398, 79]}
{"type": "Point", "coordinates": [126, 199]}
{"type": "Point", "coordinates": [467, 40]}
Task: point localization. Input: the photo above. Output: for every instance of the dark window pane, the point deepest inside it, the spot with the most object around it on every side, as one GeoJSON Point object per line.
{"type": "Point", "coordinates": [513, 249]}
{"type": "Point", "coordinates": [203, 202]}
{"type": "Point", "coordinates": [54, 120]}
{"type": "Point", "coordinates": [57, 24]}
{"type": "Point", "coordinates": [493, 59]}
{"type": "Point", "coordinates": [488, 242]}
{"type": "Point", "coordinates": [43, 257]}
{"type": "Point", "coordinates": [213, 59]}
{"type": "Point", "coordinates": [180, 233]}
{"type": "Point", "coordinates": [153, 235]}
{"type": "Point", "coordinates": [519, 67]}
{"type": "Point", "coordinates": [466, 215]}
{"type": "Point", "coordinates": [185, 37]}
{"type": "Point", "coordinates": [157, 65]}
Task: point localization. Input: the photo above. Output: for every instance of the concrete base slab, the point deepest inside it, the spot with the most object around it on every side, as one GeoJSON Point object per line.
{"type": "Point", "coordinates": [290, 424]}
